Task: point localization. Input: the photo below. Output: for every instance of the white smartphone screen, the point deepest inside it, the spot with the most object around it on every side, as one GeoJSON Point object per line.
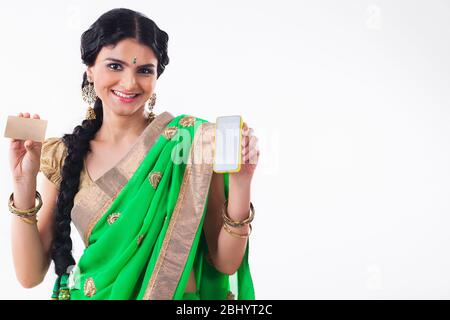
{"type": "Point", "coordinates": [227, 154]}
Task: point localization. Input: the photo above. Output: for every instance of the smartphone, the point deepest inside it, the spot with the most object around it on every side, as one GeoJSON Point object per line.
{"type": "Point", "coordinates": [227, 151]}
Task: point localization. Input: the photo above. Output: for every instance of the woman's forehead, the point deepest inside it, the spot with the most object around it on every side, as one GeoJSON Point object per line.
{"type": "Point", "coordinates": [128, 50]}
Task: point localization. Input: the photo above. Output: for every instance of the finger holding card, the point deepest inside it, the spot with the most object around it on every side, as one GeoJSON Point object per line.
{"type": "Point", "coordinates": [27, 134]}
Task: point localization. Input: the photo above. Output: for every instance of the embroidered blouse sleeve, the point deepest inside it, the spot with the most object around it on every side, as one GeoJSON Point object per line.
{"type": "Point", "coordinates": [52, 159]}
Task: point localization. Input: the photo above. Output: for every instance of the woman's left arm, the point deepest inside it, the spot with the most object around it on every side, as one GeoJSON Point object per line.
{"type": "Point", "coordinates": [225, 249]}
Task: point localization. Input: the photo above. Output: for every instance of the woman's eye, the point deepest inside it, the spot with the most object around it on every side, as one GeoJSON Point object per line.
{"type": "Point", "coordinates": [111, 66]}
{"type": "Point", "coordinates": [147, 71]}
{"type": "Point", "coordinates": [118, 67]}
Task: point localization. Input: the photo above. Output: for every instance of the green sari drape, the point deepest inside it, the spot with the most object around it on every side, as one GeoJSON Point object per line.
{"type": "Point", "coordinates": [146, 236]}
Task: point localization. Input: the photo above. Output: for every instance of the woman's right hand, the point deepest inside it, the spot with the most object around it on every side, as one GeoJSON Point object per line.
{"type": "Point", "coordinates": [25, 156]}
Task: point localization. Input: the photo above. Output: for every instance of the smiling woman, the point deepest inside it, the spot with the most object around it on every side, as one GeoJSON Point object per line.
{"type": "Point", "coordinates": [124, 88]}
{"type": "Point", "coordinates": [152, 224]}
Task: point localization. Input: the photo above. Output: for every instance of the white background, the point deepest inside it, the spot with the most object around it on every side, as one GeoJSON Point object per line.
{"type": "Point", "coordinates": [350, 100]}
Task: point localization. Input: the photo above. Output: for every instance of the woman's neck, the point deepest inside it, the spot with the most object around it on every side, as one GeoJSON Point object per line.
{"type": "Point", "coordinates": [117, 130]}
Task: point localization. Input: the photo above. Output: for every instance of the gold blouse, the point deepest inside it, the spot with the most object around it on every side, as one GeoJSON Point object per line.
{"type": "Point", "coordinates": [53, 155]}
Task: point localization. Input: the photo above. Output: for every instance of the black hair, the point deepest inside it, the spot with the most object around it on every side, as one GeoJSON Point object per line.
{"type": "Point", "coordinates": [110, 28]}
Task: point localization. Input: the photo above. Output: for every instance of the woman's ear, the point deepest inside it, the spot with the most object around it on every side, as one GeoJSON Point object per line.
{"type": "Point", "coordinates": [89, 74]}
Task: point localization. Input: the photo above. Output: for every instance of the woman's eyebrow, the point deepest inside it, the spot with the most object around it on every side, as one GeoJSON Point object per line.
{"type": "Point", "coordinates": [123, 62]}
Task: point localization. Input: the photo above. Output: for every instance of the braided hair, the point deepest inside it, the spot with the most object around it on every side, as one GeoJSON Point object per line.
{"type": "Point", "coordinates": [110, 28]}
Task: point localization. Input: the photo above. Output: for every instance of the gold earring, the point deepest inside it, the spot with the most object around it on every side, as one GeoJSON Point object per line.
{"type": "Point", "coordinates": [151, 104]}
{"type": "Point", "coordinates": [89, 96]}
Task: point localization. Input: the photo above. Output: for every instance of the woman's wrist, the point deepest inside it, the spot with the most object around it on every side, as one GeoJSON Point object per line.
{"type": "Point", "coordinates": [239, 182]}
{"type": "Point", "coordinates": [24, 182]}
{"type": "Point", "coordinates": [24, 194]}
{"type": "Point", "coordinates": [238, 198]}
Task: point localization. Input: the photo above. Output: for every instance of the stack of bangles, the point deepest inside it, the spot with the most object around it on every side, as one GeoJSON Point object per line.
{"type": "Point", "coordinates": [228, 223]}
{"type": "Point", "coordinates": [29, 215]}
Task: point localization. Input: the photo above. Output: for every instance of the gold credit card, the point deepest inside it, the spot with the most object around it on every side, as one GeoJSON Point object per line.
{"type": "Point", "coordinates": [25, 128]}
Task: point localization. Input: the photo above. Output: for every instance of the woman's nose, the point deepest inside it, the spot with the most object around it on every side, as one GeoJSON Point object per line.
{"type": "Point", "coordinates": [129, 82]}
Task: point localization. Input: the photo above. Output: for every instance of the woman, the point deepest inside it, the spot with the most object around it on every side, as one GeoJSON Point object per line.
{"type": "Point", "coordinates": [156, 221]}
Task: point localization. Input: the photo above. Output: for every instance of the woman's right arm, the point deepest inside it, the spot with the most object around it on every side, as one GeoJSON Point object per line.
{"type": "Point", "coordinates": [31, 243]}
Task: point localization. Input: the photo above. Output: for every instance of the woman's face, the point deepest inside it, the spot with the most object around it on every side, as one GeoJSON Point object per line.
{"type": "Point", "coordinates": [127, 69]}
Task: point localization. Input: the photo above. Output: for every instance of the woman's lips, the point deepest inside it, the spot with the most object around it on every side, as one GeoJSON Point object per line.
{"type": "Point", "coordinates": [124, 99]}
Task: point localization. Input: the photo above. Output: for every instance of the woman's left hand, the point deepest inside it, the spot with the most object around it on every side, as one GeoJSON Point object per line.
{"type": "Point", "coordinates": [250, 156]}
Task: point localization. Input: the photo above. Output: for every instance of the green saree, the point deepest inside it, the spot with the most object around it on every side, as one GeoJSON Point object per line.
{"type": "Point", "coordinates": [142, 222]}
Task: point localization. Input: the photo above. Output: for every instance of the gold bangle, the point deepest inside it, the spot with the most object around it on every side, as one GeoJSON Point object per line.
{"type": "Point", "coordinates": [29, 220]}
{"type": "Point", "coordinates": [227, 220]}
{"type": "Point", "coordinates": [237, 235]}
{"type": "Point", "coordinates": [28, 212]}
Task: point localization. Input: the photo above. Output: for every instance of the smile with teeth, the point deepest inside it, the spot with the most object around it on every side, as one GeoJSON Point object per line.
{"type": "Point", "coordinates": [126, 96]}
